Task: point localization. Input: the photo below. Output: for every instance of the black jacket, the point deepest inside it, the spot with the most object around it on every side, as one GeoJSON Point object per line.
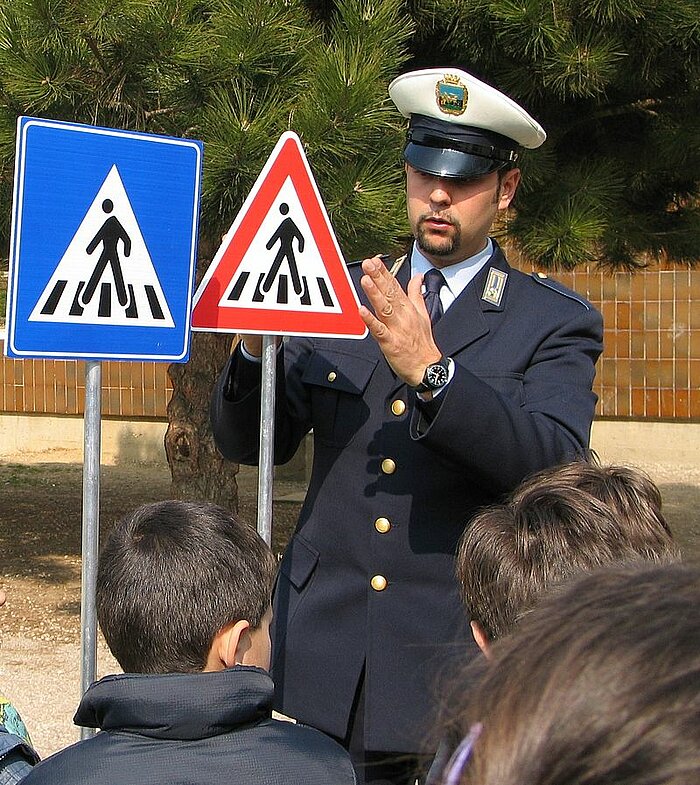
{"type": "Point", "coordinates": [186, 729]}
{"type": "Point", "coordinates": [520, 400]}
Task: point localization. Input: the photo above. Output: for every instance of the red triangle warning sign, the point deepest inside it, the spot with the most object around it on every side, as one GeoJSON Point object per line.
{"type": "Point", "coordinates": [279, 269]}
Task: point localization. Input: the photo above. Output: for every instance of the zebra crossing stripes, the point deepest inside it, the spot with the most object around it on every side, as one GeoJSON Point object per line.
{"type": "Point", "coordinates": [106, 301]}
{"type": "Point", "coordinates": [315, 295]}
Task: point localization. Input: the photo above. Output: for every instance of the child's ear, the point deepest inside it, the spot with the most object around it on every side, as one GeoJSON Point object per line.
{"type": "Point", "coordinates": [237, 643]}
{"type": "Point", "coordinates": [229, 646]}
{"type": "Point", "coordinates": [481, 638]}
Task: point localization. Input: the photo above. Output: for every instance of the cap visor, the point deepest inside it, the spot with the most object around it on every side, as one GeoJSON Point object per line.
{"type": "Point", "coordinates": [443, 162]}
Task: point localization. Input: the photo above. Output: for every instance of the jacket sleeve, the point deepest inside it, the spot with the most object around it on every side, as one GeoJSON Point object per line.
{"type": "Point", "coordinates": [236, 404]}
{"type": "Point", "coordinates": [500, 439]}
{"type": "Point", "coordinates": [16, 758]}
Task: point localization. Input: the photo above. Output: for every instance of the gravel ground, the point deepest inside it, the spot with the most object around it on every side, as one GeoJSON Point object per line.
{"type": "Point", "coordinates": [40, 514]}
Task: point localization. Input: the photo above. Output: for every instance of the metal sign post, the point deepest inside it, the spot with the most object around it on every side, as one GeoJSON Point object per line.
{"type": "Point", "coordinates": [267, 437]}
{"type": "Point", "coordinates": [91, 528]}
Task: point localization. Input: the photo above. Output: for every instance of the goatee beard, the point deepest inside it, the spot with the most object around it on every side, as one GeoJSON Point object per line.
{"type": "Point", "coordinates": [444, 246]}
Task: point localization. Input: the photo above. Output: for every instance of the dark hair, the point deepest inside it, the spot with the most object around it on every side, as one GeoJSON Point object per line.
{"type": "Point", "coordinates": [173, 574]}
{"type": "Point", "coordinates": [599, 684]}
{"type": "Point", "coordinates": [558, 523]}
{"type": "Point", "coordinates": [629, 492]}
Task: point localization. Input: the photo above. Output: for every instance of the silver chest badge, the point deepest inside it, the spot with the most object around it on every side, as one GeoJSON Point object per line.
{"type": "Point", "coordinates": [495, 286]}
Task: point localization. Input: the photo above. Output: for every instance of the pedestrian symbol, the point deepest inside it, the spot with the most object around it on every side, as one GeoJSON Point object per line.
{"type": "Point", "coordinates": [106, 275]}
{"type": "Point", "coordinates": [109, 234]}
{"type": "Point", "coordinates": [279, 268]}
{"type": "Point", "coordinates": [285, 235]}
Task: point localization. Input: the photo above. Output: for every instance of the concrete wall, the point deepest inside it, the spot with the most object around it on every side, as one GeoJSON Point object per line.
{"type": "Point", "coordinates": [37, 438]}
{"type": "Point", "coordinates": [40, 438]}
{"type": "Point", "coordinates": [647, 443]}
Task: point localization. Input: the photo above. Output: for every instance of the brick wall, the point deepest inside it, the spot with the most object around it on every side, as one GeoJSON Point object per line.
{"type": "Point", "coordinates": [129, 389]}
{"type": "Point", "coordinates": [650, 367]}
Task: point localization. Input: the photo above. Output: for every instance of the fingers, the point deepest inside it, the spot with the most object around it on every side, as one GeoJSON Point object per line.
{"type": "Point", "coordinates": [380, 277]}
{"type": "Point", "coordinates": [253, 344]}
{"type": "Point", "coordinates": [377, 328]}
{"type": "Point", "coordinates": [384, 292]}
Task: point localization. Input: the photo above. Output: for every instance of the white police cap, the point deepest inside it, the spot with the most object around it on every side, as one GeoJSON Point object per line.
{"type": "Point", "coordinates": [459, 126]}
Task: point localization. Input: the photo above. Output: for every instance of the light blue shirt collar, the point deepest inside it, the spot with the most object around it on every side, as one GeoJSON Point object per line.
{"type": "Point", "coordinates": [457, 276]}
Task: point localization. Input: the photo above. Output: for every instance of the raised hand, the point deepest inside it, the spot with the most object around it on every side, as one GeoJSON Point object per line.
{"type": "Point", "coordinates": [400, 323]}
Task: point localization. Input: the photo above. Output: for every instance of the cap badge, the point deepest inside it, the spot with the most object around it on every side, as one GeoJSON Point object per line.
{"type": "Point", "coordinates": [451, 95]}
{"type": "Point", "coordinates": [495, 286]}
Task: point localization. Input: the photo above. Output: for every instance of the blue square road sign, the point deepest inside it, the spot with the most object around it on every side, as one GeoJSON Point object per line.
{"type": "Point", "coordinates": [104, 243]}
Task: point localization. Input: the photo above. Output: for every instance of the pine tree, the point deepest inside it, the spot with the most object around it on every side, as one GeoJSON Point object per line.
{"type": "Point", "coordinates": [235, 74]}
{"type": "Point", "coordinates": [616, 83]}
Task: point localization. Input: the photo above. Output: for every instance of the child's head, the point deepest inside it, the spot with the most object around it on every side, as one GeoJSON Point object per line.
{"type": "Point", "coordinates": [629, 492]}
{"type": "Point", "coordinates": [599, 684]}
{"type": "Point", "coordinates": [560, 522]}
{"type": "Point", "coordinates": [185, 587]}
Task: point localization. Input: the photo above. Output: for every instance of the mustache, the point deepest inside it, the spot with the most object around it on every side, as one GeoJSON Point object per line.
{"type": "Point", "coordinates": [436, 216]}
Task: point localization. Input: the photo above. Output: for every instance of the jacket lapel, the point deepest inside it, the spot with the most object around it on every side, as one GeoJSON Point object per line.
{"type": "Point", "coordinates": [464, 322]}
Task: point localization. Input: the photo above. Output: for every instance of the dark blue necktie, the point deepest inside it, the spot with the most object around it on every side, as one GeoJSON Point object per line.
{"type": "Point", "coordinates": [433, 281]}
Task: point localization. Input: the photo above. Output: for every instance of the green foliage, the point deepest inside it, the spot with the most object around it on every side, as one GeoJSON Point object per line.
{"type": "Point", "coordinates": [234, 73]}
{"type": "Point", "coordinates": [351, 131]}
{"type": "Point", "coordinates": [616, 84]}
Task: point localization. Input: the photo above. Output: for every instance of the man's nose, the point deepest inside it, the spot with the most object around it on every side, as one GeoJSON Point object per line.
{"type": "Point", "coordinates": [441, 193]}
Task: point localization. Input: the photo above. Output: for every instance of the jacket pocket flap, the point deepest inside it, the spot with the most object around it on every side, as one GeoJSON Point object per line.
{"type": "Point", "coordinates": [299, 562]}
{"type": "Point", "coordinates": [339, 371]}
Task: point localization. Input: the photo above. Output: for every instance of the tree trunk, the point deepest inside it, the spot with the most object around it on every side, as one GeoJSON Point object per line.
{"type": "Point", "coordinates": [198, 470]}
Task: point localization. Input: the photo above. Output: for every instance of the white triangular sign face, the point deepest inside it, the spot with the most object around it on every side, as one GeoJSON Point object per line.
{"type": "Point", "coordinates": [106, 275]}
{"type": "Point", "coordinates": [295, 278]}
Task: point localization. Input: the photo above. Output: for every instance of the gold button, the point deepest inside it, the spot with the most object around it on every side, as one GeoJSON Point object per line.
{"type": "Point", "coordinates": [382, 525]}
{"type": "Point", "coordinates": [398, 408]}
{"type": "Point", "coordinates": [378, 583]}
{"type": "Point", "coordinates": [332, 376]}
{"type": "Point", "coordinates": [388, 466]}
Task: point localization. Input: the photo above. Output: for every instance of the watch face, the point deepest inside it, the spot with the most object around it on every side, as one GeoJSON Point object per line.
{"type": "Point", "coordinates": [436, 375]}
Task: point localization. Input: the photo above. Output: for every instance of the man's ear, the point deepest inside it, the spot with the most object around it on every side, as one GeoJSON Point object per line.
{"type": "Point", "coordinates": [229, 646]}
{"type": "Point", "coordinates": [508, 187]}
{"type": "Point", "coordinates": [481, 638]}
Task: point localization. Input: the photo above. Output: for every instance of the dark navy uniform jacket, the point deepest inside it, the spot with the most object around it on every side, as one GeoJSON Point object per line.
{"type": "Point", "coordinates": [368, 576]}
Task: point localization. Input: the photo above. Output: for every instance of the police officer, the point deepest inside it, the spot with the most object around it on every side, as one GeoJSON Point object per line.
{"type": "Point", "coordinates": [473, 376]}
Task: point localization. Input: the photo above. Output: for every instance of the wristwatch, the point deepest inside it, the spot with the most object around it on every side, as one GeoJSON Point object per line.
{"type": "Point", "coordinates": [436, 376]}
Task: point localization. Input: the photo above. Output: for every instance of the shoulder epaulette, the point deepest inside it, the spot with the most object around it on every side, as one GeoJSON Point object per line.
{"type": "Point", "coordinates": [555, 286]}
